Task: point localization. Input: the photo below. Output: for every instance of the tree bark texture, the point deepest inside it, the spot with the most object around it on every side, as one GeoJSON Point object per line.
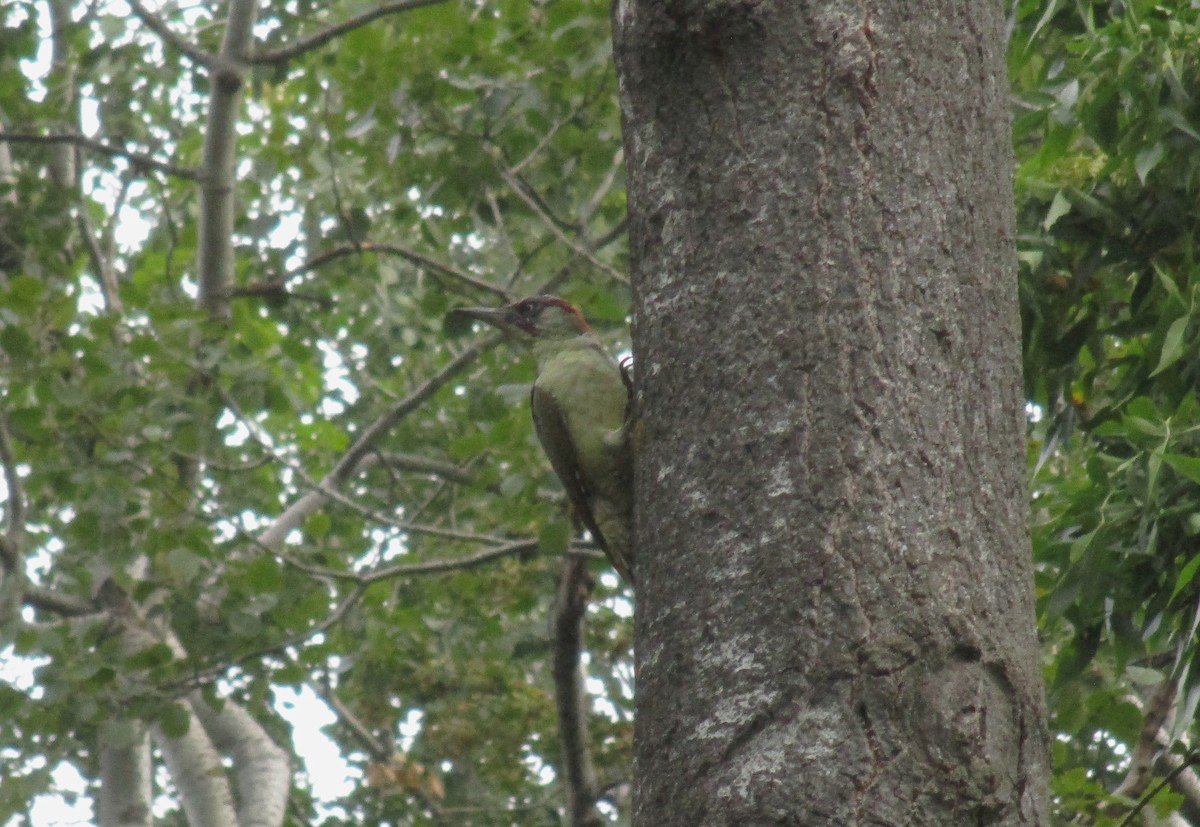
{"type": "Point", "coordinates": [835, 616]}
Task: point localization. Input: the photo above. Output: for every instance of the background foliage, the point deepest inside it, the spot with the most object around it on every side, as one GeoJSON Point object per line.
{"type": "Point", "coordinates": [454, 155]}
{"type": "Point", "coordinates": [1106, 136]}
{"type": "Point", "coordinates": [446, 156]}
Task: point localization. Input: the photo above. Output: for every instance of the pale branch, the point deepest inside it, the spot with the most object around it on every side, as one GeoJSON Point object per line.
{"type": "Point", "coordinates": [191, 758]}
{"type": "Point", "coordinates": [194, 759]}
{"type": "Point", "coordinates": [1141, 764]}
{"type": "Point", "coordinates": [14, 506]}
{"type": "Point", "coordinates": [8, 176]}
{"type": "Point", "coordinates": [195, 767]}
{"type": "Point", "coordinates": [106, 275]}
{"type": "Point", "coordinates": [552, 225]}
{"type": "Point", "coordinates": [576, 769]}
{"type": "Point", "coordinates": [181, 44]}
{"type": "Point", "coordinates": [294, 516]}
{"type": "Point", "coordinates": [215, 257]}
{"type": "Point", "coordinates": [63, 92]}
{"type": "Point", "coordinates": [319, 39]}
{"type": "Point", "coordinates": [126, 789]}
{"type": "Point", "coordinates": [138, 159]}
{"type": "Point", "coordinates": [260, 767]}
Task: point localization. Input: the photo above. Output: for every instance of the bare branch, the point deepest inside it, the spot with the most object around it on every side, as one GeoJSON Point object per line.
{"type": "Point", "coordinates": [155, 24]}
{"type": "Point", "coordinates": [295, 515]}
{"type": "Point", "coordinates": [551, 284]}
{"type": "Point", "coordinates": [214, 253]}
{"type": "Point", "coordinates": [575, 763]}
{"type": "Point", "coordinates": [544, 141]}
{"type": "Point", "coordinates": [418, 464]}
{"type": "Point", "coordinates": [441, 566]}
{"type": "Point", "coordinates": [518, 188]}
{"type": "Point", "coordinates": [439, 268]}
{"type": "Point", "coordinates": [316, 41]}
{"type": "Point", "coordinates": [329, 492]}
{"type": "Point", "coordinates": [134, 157]}
{"type": "Point", "coordinates": [378, 750]}
{"type": "Point", "coordinates": [610, 178]}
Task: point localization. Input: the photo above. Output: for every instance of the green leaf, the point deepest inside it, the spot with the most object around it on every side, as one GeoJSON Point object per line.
{"type": "Point", "coordinates": [264, 575]}
{"type": "Point", "coordinates": [1185, 465]}
{"type": "Point", "coordinates": [1147, 160]}
{"type": "Point", "coordinates": [1186, 575]}
{"type": "Point", "coordinates": [554, 537]}
{"type": "Point", "coordinates": [173, 719]}
{"type": "Point", "coordinates": [1060, 206]}
{"type": "Point", "coordinates": [151, 657]}
{"type": "Point", "coordinates": [1172, 347]}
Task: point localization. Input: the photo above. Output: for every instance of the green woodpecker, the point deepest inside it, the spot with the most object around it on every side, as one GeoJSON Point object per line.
{"type": "Point", "coordinates": [580, 402]}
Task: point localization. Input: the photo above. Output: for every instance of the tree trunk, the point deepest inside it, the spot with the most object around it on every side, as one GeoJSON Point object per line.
{"type": "Point", "coordinates": [835, 621]}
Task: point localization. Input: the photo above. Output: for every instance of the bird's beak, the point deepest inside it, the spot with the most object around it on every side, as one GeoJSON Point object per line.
{"type": "Point", "coordinates": [495, 316]}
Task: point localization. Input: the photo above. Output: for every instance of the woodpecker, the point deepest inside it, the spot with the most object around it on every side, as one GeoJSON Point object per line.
{"type": "Point", "coordinates": [581, 404]}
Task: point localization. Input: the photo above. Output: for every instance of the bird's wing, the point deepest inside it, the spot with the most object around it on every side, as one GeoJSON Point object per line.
{"type": "Point", "coordinates": [552, 431]}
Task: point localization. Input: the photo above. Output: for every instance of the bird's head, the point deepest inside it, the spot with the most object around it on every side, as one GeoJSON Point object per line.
{"type": "Point", "coordinates": [538, 318]}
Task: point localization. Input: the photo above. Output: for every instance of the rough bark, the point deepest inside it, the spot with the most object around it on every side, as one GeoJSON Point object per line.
{"type": "Point", "coordinates": [835, 622]}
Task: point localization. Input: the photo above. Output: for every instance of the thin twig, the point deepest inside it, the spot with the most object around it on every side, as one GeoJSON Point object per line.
{"type": "Point", "coordinates": [316, 41]}
{"type": "Point", "coordinates": [610, 178]}
{"type": "Point", "coordinates": [1189, 759]}
{"type": "Point", "coordinates": [441, 566]}
{"type": "Point", "coordinates": [378, 751]}
{"type": "Point", "coordinates": [441, 269]}
{"type": "Point", "coordinates": [323, 488]}
{"type": "Point", "coordinates": [210, 674]}
{"type": "Point", "coordinates": [111, 150]}
{"type": "Point", "coordinates": [552, 225]}
{"type": "Point", "coordinates": [159, 27]}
